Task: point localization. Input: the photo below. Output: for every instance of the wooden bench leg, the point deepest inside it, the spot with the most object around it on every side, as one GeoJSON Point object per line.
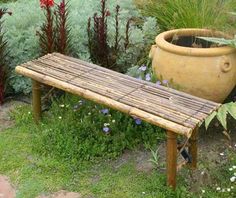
{"type": "Point", "coordinates": [36, 100]}
{"type": "Point", "coordinates": [171, 158]}
{"type": "Point", "coordinates": [193, 148]}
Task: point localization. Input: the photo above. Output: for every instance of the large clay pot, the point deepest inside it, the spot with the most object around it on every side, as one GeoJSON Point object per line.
{"type": "Point", "coordinates": [207, 72]}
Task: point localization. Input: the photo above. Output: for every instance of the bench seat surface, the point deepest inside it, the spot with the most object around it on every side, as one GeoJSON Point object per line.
{"type": "Point", "coordinates": [159, 105]}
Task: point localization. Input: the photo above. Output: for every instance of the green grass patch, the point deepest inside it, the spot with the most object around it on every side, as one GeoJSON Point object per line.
{"type": "Point", "coordinates": [41, 161]}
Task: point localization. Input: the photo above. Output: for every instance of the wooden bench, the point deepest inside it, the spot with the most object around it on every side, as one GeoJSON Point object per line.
{"type": "Point", "coordinates": [179, 113]}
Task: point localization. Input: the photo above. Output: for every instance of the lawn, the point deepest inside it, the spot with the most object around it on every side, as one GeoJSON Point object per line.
{"type": "Point", "coordinates": [35, 167]}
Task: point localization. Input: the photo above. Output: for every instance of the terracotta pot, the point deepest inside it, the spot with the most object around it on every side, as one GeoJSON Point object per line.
{"type": "Point", "coordinates": [208, 72]}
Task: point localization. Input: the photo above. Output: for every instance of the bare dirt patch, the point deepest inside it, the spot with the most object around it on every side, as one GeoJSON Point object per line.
{"type": "Point", "coordinates": [62, 194]}
{"type": "Point", "coordinates": [5, 109]}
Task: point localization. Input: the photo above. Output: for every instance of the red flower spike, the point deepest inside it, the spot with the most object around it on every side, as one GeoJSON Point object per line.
{"type": "Point", "coordinates": [46, 3]}
{"type": "Point", "coordinates": [62, 7]}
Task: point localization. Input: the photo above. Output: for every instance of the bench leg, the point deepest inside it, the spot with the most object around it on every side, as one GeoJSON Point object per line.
{"type": "Point", "coordinates": [171, 158]}
{"type": "Point", "coordinates": [36, 100]}
{"type": "Point", "coordinates": [193, 148]}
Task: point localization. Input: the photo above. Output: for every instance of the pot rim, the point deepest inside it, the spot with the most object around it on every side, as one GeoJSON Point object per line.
{"type": "Point", "coordinates": [162, 43]}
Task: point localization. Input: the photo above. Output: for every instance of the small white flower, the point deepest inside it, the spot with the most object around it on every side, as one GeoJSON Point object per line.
{"type": "Point", "coordinates": [234, 167]}
{"type": "Point", "coordinates": [223, 190]}
{"type": "Point", "coordinates": [228, 189]}
{"type": "Point", "coordinates": [109, 115]}
{"type": "Point", "coordinates": [230, 169]}
{"type": "Point", "coordinates": [113, 121]}
{"type": "Point", "coordinates": [218, 188]}
{"type": "Point", "coordinates": [89, 113]}
{"type": "Point", "coordinates": [29, 112]}
{"type": "Point", "coordinates": [62, 105]}
{"type": "Point", "coordinates": [232, 179]}
{"type": "Point", "coordinates": [235, 145]}
{"type": "Point", "coordinates": [203, 191]}
{"type": "Point", "coordinates": [106, 124]}
{"type": "Point", "coordinates": [60, 117]}
{"type": "Point", "coordinates": [202, 173]}
{"type": "Point", "coordinates": [143, 193]}
{"type": "Point", "coordinates": [222, 154]}
{"type": "Point", "coordinates": [232, 187]}
{"type": "Point", "coordinates": [234, 174]}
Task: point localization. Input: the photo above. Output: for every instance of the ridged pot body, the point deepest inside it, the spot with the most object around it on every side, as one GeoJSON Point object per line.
{"type": "Point", "coordinates": [208, 73]}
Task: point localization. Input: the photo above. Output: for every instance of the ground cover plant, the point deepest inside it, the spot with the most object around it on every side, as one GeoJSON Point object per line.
{"type": "Point", "coordinates": [47, 165]}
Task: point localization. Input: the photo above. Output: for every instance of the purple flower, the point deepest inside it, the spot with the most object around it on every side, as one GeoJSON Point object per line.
{"type": "Point", "coordinates": [165, 82]}
{"type": "Point", "coordinates": [106, 130]}
{"type": "Point", "coordinates": [143, 68]}
{"type": "Point", "coordinates": [105, 111]}
{"type": "Point", "coordinates": [148, 77]}
{"type": "Point", "coordinates": [137, 121]}
{"type": "Point", "coordinates": [158, 82]}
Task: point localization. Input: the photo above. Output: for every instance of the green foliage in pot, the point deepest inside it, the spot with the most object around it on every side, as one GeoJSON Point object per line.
{"type": "Point", "coordinates": [174, 14]}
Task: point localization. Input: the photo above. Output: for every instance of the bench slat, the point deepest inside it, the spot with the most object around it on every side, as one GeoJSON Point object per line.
{"type": "Point", "coordinates": [87, 94]}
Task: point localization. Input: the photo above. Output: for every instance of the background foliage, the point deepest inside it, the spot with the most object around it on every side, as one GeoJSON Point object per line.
{"type": "Point", "coordinates": [27, 19]}
{"type": "Point", "coordinates": [172, 14]}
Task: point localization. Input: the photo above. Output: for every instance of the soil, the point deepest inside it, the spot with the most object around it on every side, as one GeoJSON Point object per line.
{"type": "Point", "coordinates": [213, 150]}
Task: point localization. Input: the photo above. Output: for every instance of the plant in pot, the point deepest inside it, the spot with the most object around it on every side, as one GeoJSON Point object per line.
{"type": "Point", "coordinates": [194, 65]}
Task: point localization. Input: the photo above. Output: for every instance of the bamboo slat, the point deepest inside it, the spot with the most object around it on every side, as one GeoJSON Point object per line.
{"type": "Point", "coordinates": [87, 94]}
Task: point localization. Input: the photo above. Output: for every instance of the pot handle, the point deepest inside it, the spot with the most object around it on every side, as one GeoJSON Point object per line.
{"type": "Point", "coordinates": [152, 51]}
{"type": "Point", "coordinates": [225, 65]}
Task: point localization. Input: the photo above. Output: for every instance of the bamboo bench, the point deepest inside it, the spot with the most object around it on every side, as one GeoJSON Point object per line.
{"type": "Point", "coordinates": [179, 113]}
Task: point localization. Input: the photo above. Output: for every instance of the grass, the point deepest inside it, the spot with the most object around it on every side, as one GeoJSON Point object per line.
{"type": "Point", "coordinates": [34, 174]}
{"type": "Point", "coordinates": [43, 170]}
{"type": "Point", "coordinates": [174, 14]}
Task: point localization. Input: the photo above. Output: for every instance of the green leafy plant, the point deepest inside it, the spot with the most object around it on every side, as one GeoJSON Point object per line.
{"type": "Point", "coordinates": [155, 158]}
{"type": "Point", "coordinates": [221, 41]}
{"type": "Point", "coordinates": [75, 130]}
{"type": "Point", "coordinates": [221, 114]}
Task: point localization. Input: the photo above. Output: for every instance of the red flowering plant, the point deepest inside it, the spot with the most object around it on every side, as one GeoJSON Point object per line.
{"type": "Point", "coordinates": [54, 32]}
{"type": "Point", "coordinates": [3, 55]}
{"type": "Point", "coordinates": [62, 40]}
{"type": "Point", "coordinates": [100, 52]}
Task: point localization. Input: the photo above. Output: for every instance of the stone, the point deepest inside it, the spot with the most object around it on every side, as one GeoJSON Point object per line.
{"type": "Point", "coordinates": [6, 189]}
